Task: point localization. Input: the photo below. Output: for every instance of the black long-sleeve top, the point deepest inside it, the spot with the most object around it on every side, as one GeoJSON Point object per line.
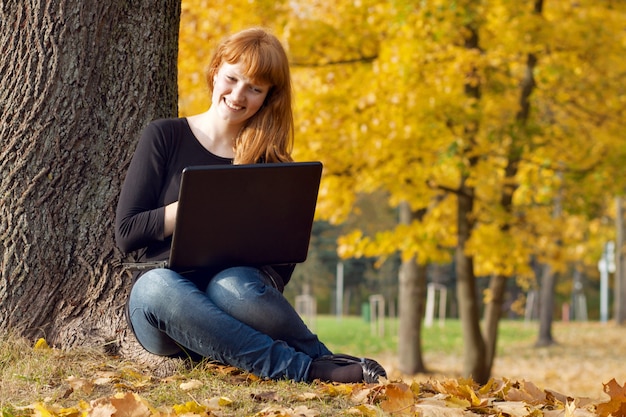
{"type": "Point", "coordinates": [165, 148]}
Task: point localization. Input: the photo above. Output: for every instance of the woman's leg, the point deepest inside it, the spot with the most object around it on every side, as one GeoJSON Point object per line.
{"type": "Point", "coordinates": [247, 294]}
{"type": "Point", "coordinates": [168, 311]}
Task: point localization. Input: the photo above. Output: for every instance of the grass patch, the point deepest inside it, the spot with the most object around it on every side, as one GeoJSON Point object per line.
{"type": "Point", "coordinates": [354, 335]}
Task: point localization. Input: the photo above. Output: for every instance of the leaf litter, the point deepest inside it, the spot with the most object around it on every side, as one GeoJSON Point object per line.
{"type": "Point", "coordinates": [126, 392]}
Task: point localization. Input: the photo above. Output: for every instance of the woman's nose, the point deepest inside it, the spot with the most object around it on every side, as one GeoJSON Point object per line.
{"type": "Point", "coordinates": [238, 92]}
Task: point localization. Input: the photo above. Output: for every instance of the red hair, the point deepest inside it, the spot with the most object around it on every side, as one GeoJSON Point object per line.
{"type": "Point", "coordinates": [268, 135]}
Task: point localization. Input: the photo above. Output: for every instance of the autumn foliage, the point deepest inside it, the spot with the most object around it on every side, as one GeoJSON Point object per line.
{"type": "Point", "coordinates": [381, 99]}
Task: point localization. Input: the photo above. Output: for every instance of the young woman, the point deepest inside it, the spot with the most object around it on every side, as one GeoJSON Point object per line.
{"type": "Point", "coordinates": [239, 316]}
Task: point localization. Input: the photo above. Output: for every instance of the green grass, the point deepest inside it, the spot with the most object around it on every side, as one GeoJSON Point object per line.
{"type": "Point", "coordinates": [354, 335]}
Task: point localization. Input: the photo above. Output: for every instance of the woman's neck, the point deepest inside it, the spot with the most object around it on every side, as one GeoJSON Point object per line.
{"type": "Point", "coordinates": [215, 135]}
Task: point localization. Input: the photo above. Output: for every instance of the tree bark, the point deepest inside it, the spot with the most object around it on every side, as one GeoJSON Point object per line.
{"type": "Point", "coordinates": [411, 298]}
{"type": "Point", "coordinates": [493, 314]}
{"type": "Point", "coordinates": [620, 265]}
{"type": "Point", "coordinates": [546, 306]}
{"type": "Point", "coordinates": [474, 364]}
{"type": "Point", "coordinates": [79, 82]}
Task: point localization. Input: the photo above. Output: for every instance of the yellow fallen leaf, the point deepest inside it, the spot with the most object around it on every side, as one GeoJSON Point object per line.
{"type": "Point", "coordinates": [364, 410]}
{"type": "Point", "coordinates": [40, 410]}
{"type": "Point", "coordinates": [41, 344]}
{"type": "Point", "coordinates": [190, 407]}
{"type": "Point", "coordinates": [69, 412]}
{"type": "Point", "coordinates": [217, 403]}
{"type": "Point", "coordinates": [335, 390]}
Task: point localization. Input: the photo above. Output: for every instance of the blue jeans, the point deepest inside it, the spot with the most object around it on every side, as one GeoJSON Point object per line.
{"type": "Point", "coordinates": [240, 320]}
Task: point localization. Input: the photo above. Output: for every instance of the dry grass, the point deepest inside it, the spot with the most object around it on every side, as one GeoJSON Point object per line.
{"type": "Point", "coordinates": [587, 355]}
{"type": "Point", "coordinates": [56, 379]}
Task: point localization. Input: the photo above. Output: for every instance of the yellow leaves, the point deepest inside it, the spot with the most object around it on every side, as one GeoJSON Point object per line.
{"type": "Point", "coordinates": [41, 344]}
{"type": "Point", "coordinates": [506, 255]}
{"type": "Point", "coordinates": [444, 397]}
{"type": "Point", "coordinates": [131, 404]}
{"type": "Point", "coordinates": [424, 240]}
{"type": "Point", "coordinates": [121, 404]}
{"type": "Point", "coordinates": [190, 407]}
{"type": "Point", "coordinates": [463, 397]}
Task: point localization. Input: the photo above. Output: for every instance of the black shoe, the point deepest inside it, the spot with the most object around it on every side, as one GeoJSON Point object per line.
{"type": "Point", "coordinates": [372, 370]}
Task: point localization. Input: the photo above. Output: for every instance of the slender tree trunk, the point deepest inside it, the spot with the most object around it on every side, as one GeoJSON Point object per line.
{"type": "Point", "coordinates": [493, 314]}
{"type": "Point", "coordinates": [79, 81]}
{"type": "Point", "coordinates": [411, 297]}
{"type": "Point", "coordinates": [620, 265]}
{"type": "Point", "coordinates": [497, 284]}
{"type": "Point", "coordinates": [474, 364]}
{"type": "Point", "coordinates": [546, 306]}
{"type": "Point", "coordinates": [469, 310]}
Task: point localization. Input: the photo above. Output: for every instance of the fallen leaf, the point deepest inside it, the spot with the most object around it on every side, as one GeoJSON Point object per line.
{"type": "Point", "coordinates": [335, 390]}
{"type": "Point", "coordinates": [190, 407]}
{"type": "Point", "coordinates": [364, 410]}
{"type": "Point", "coordinates": [217, 403]}
{"type": "Point", "coordinates": [41, 344]}
{"type": "Point", "coordinates": [275, 411]}
{"type": "Point", "coordinates": [616, 406]}
{"type": "Point", "coordinates": [399, 399]}
{"type": "Point", "coordinates": [80, 384]}
{"type": "Point", "coordinates": [121, 405]}
{"type": "Point", "coordinates": [308, 396]}
{"type": "Point", "coordinates": [191, 385]}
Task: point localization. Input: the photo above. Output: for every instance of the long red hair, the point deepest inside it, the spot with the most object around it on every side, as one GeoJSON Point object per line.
{"type": "Point", "coordinates": [268, 135]}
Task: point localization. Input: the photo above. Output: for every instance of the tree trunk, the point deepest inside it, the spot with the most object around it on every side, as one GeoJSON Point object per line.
{"type": "Point", "coordinates": [493, 314]}
{"type": "Point", "coordinates": [474, 364]}
{"type": "Point", "coordinates": [546, 306]}
{"type": "Point", "coordinates": [411, 297]}
{"type": "Point", "coordinates": [620, 265]}
{"type": "Point", "coordinates": [79, 81]}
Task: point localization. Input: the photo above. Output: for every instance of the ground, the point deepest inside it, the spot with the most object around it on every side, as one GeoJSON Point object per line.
{"type": "Point", "coordinates": [586, 356]}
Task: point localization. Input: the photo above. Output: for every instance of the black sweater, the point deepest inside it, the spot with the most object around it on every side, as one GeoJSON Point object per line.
{"type": "Point", "coordinates": [165, 148]}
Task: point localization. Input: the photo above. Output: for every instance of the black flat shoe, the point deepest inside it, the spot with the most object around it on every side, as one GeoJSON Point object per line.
{"type": "Point", "coordinates": [372, 370]}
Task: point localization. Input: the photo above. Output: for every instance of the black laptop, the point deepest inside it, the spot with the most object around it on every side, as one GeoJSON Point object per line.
{"type": "Point", "coordinates": [244, 215]}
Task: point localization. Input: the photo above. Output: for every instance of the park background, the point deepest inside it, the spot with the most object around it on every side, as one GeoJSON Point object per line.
{"type": "Point", "coordinates": [481, 141]}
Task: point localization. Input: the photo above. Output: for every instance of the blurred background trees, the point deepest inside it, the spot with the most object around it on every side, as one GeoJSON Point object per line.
{"type": "Point", "coordinates": [495, 127]}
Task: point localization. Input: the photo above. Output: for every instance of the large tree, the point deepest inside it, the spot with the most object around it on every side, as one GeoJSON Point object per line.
{"type": "Point", "coordinates": [79, 81]}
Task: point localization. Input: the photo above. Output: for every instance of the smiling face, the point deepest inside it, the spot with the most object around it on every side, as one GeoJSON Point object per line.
{"type": "Point", "coordinates": [235, 97]}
